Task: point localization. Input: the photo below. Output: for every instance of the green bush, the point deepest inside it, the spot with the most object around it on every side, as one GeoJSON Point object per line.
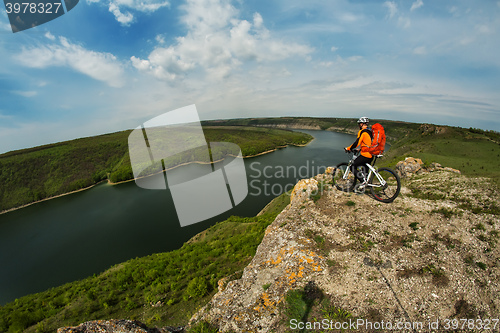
{"type": "Point", "coordinates": [23, 320]}
{"type": "Point", "coordinates": [296, 305]}
{"type": "Point", "coordinates": [197, 287]}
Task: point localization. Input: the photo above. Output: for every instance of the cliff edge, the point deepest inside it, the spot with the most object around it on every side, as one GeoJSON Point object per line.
{"type": "Point", "coordinates": [430, 255]}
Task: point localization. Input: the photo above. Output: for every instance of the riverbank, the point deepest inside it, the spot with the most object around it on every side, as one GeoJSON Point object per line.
{"type": "Point", "coordinates": [108, 181]}
{"type": "Point", "coordinates": [46, 179]}
{"type": "Point", "coordinates": [195, 162]}
{"type": "Point", "coordinates": [50, 198]}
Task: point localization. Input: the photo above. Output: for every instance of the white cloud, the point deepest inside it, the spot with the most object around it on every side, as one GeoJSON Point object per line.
{"type": "Point", "coordinates": [417, 4]}
{"type": "Point", "coordinates": [217, 42]}
{"type": "Point", "coordinates": [50, 36]}
{"type": "Point", "coordinates": [100, 66]}
{"type": "Point", "coordinates": [206, 16]}
{"type": "Point", "coordinates": [333, 49]}
{"type": "Point", "coordinates": [257, 20]}
{"type": "Point", "coordinates": [148, 6]}
{"type": "Point", "coordinates": [160, 39]}
{"type": "Point", "coordinates": [124, 18]}
{"type": "Point", "coordinates": [392, 7]}
{"type": "Point", "coordinates": [123, 10]}
{"type": "Point", "coordinates": [140, 64]}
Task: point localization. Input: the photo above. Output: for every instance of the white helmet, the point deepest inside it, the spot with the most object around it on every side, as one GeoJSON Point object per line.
{"type": "Point", "coordinates": [363, 120]}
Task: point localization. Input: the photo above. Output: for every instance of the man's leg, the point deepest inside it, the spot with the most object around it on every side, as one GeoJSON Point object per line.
{"type": "Point", "coordinates": [354, 169]}
{"type": "Point", "coordinates": [360, 162]}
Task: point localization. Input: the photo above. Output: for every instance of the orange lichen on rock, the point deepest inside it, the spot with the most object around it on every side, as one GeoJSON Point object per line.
{"type": "Point", "coordinates": [267, 300]}
{"type": "Point", "coordinates": [279, 259]}
{"type": "Point", "coordinates": [269, 230]}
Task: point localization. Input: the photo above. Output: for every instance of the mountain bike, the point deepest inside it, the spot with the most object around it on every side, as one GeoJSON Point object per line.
{"type": "Point", "coordinates": [384, 183]}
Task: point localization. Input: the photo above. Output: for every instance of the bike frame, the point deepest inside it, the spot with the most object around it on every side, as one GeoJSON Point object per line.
{"type": "Point", "coordinates": [371, 168]}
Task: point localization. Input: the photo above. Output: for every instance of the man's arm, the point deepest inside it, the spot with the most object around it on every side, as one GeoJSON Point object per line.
{"type": "Point", "coordinates": [354, 145]}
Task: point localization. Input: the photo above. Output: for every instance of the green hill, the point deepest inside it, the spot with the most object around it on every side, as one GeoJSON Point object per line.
{"type": "Point", "coordinates": [473, 151]}
{"type": "Point", "coordinates": [38, 173]}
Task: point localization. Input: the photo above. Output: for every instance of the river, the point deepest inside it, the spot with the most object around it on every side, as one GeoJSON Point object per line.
{"type": "Point", "coordinates": [71, 237]}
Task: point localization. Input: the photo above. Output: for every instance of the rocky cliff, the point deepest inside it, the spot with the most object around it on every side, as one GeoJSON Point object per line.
{"type": "Point", "coordinates": [430, 255]}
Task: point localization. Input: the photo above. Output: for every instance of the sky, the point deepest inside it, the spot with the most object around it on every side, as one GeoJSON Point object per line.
{"type": "Point", "coordinates": [110, 65]}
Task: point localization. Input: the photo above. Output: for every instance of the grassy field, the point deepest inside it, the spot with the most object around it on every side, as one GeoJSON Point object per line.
{"type": "Point", "coordinates": [473, 152]}
{"type": "Point", "coordinates": [38, 173]}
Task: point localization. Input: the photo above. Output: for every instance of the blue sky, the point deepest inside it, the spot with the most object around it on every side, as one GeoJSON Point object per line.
{"type": "Point", "coordinates": [109, 65]}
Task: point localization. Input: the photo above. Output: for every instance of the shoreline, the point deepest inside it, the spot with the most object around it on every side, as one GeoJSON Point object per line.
{"type": "Point", "coordinates": [50, 198]}
{"type": "Point", "coordinates": [133, 179]}
{"type": "Point", "coordinates": [197, 162]}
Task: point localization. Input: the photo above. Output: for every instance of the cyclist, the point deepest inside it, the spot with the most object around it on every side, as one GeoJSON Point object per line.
{"type": "Point", "coordinates": [364, 139]}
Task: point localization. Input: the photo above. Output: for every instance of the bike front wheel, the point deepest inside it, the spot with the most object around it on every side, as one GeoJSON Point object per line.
{"type": "Point", "coordinates": [343, 181]}
{"type": "Point", "coordinates": [387, 187]}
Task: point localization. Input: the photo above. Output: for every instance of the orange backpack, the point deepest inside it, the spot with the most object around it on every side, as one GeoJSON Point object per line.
{"type": "Point", "coordinates": [378, 140]}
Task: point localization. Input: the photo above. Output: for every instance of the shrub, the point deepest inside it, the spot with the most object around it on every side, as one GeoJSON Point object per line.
{"type": "Point", "coordinates": [197, 287]}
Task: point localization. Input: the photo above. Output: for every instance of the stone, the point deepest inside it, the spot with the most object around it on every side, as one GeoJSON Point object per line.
{"type": "Point", "coordinates": [452, 170]}
{"type": "Point", "coordinates": [414, 166]}
{"type": "Point", "coordinates": [409, 167]}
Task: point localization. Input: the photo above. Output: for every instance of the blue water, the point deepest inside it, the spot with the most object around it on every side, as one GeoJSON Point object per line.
{"type": "Point", "coordinates": [78, 235]}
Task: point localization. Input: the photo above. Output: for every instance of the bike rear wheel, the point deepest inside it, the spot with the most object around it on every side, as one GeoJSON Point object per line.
{"type": "Point", "coordinates": [390, 190]}
{"type": "Point", "coordinates": [338, 177]}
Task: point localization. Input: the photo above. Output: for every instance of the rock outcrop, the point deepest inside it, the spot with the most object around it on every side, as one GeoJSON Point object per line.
{"type": "Point", "coordinates": [414, 166]}
{"type": "Point", "coordinates": [432, 129]}
{"type": "Point", "coordinates": [285, 260]}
